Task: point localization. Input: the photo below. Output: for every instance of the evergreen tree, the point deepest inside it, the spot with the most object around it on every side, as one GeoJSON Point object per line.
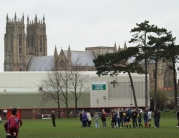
{"type": "Point", "coordinates": [114, 63]}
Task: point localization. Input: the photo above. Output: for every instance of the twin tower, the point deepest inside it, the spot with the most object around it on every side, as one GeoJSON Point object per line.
{"type": "Point", "coordinates": [20, 46]}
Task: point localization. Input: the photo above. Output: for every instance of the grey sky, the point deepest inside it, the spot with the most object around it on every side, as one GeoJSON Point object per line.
{"type": "Point", "coordinates": [85, 23]}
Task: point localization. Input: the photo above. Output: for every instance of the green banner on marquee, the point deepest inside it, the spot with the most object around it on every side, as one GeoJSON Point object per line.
{"type": "Point", "coordinates": [98, 86]}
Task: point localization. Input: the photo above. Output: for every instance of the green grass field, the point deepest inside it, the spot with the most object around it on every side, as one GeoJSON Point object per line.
{"type": "Point", "coordinates": [71, 128]}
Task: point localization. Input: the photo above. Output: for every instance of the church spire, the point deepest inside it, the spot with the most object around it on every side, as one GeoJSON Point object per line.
{"type": "Point", "coordinates": [43, 19]}
{"type": "Point", "coordinates": [55, 58]}
{"type": "Point", "coordinates": [125, 46]}
{"type": "Point", "coordinates": [119, 48]}
{"type": "Point", "coordinates": [69, 57]}
{"type": "Point", "coordinates": [115, 49]}
{"type": "Point", "coordinates": [35, 18]}
{"type": "Point", "coordinates": [23, 17]}
{"type": "Point", "coordinates": [7, 18]}
{"type": "Point", "coordinates": [69, 51]}
{"type": "Point", "coordinates": [27, 19]}
{"type": "Point", "coordinates": [55, 52]}
{"type": "Point", "coordinates": [15, 17]}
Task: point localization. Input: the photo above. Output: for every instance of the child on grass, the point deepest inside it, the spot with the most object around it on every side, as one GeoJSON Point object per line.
{"type": "Point", "coordinates": [96, 116]}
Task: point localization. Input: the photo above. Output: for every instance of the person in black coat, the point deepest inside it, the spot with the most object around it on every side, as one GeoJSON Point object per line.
{"type": "Point", "coordinates": [53, 118]}
{"type": "Point", "coordinates": [156, 114]}
{"type": "Point", "coordinates": [177, 115]}
{"type": "Point", "coordinates": [121, 118]}
{"type": "Point", "coordinates": [134, 118]}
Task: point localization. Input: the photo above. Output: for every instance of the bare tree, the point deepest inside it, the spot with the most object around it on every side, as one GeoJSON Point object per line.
{"type": "Point", "coordinates": [59, 84]}
{"type": "Point", "coordinates": [56, 87]}
{"type": "Point", "coordinates": [77, 87]}
{"type": "Point", "coordinates": [51, 88]}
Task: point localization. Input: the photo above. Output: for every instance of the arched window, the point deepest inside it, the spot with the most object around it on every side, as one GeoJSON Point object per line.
{"type": "Point", "coordinates": [20, 40]}
{"type": "Point", "coordinates": [32, 40]}
{"type": "Point", "coordinates": [40, 40]}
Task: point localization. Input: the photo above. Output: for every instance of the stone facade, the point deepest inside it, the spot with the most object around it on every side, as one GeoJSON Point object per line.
{"type": "Point", "coordinates": [19, 46]}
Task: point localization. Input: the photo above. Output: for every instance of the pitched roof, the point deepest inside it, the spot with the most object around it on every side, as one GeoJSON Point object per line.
{"type": "Point", "coordinates": [44, 63]}
{"type": "Point", "coordinates": [82, 58]}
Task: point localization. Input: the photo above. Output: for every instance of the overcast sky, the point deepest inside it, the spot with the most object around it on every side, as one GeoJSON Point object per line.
{"type": "Point", "coordinates": [86, 23]}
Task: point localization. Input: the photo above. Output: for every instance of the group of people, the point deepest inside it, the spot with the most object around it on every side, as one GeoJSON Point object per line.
{"type": "Point", "coordinates": [12, 125]}
{"type": "Point", "coordinates": [130, 118]}
{"type": "Point", "coordinates": [85, 118]}
{"type": "Point", "coordinates": [133, 118]}
{"type": "Point", "coordinates": [120, 118]}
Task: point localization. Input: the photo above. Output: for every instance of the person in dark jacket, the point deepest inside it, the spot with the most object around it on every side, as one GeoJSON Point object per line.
{"type": "Point", "coordinates": [128, 116]}
{"type": "Point", "coordinates": [113, 118]}
{"type": "Point", "coordinates": [156, 117]}
{"type": "Point", "coordinates": [84, 118]}
{"type": "Point", "coordinates": [121, 118]}
{"type": "Point", "coordinates": [53, 118]}
{"type": "Point", "coordinates": [103, 118]}
{"type": "Point", "coordinates": [139, 116]}
{"type": "Point", "coordinates": [146, 120]}
{"type": "Point", "coordinates": [134, 118]}
{"type": "Point", "coordinates": [177, 115]}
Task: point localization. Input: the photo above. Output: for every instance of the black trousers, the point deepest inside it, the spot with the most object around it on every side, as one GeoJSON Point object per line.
{"type": "Point", "coordinates": [53, 122]}
{"type": "Point", "coordinates": [7, 136]}
{"type": "Point", "coordinates": [134, 122]}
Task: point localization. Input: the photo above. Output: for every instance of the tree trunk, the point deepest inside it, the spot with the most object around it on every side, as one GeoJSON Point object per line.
{"type": "Point", "coordinates": [146, 80]}
{"type": "Point", "coordinates": [174, 79]}
{"type": "Point", "coordinates": [67, 112]}
{"type": "Point", "coordinates": [76, 107]}
{"type": "Point", "coordinates": [155, 89]}
{"type": "Point", "coordinates": [133, 90]}
{"type": "Point", "coordinates": [58, 108]}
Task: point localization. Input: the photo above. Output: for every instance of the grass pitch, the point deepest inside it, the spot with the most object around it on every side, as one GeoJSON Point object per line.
{"type": "Point", "coordinates": [71, 128]}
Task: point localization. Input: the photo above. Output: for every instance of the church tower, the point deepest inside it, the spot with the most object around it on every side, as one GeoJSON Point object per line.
{"type": "Point", "coordinates": [15, 45]}
{"type": "Point", "coordinates": [36, 38]}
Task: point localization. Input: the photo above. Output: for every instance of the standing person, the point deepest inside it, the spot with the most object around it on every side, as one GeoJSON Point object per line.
{"type": "Point", "coordinates": [96, 116]}
{"type": "Point", "coordinates": [128, 116]}
{"type": "Point", "coordinates": [146, 118]}
{"type": "Point", "coordinates": [18, 123]}
{"type": "Point", "coordinates": [134, 118]}
{"type": "Point", "coordinates": [0, 119]}
{"type": "Point", "coordinates": [113, 117]}
{"type": "Point", "coordinates": [121, 119]}
{"type": "Point", "coordinates": [159, 118]}
{"type": "Point", "coordinates": [177, 115]}
{"type": "Point", "coordinates": [11, 126]}
{"type": "Point", "coordinates": [84, 118]}
{"type": "Point", "coordinates": [80, 115]}
{"type": "Point", "coordinates": [125, 118]}
{"type": "Point", "coordinates": [103, 118]}
{"type": "Point", "coordinates": [156, 117]}
{"type": "Point", "coordinates": [118, 118]}
{"type": "Point", "coordinates": [53, 118]}
{"type": "Point", "coordinates": [139, 116]}
{"type": "Point", "coordinates": [149, 117]}
{"type": "Point", "coordinates": [89, 119]}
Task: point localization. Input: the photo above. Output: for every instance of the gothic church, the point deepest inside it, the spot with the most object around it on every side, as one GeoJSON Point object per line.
{"type": "Point", "coordinates": [28, 52]}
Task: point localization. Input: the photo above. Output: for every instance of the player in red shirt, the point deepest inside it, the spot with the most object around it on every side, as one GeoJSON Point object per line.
{"type": "Point", "coordinates": [12, 125]}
